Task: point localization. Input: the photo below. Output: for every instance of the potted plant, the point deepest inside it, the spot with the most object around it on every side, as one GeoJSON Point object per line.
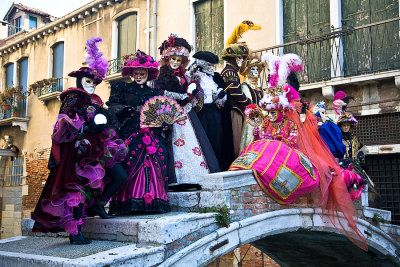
{"type": "Point", "coordinates": [16, 111]}
{"type": "Point", "coordinates": [7, 97]}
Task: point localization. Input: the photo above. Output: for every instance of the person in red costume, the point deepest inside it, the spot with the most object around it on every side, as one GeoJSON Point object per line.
{"type": "Point", "coordinates": [85, 149]}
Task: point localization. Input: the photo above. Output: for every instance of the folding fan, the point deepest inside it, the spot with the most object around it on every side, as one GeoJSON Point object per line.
{"type": "Point", "coordinates": [159, 110]}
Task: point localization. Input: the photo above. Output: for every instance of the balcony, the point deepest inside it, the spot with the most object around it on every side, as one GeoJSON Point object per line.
{"type": "Point", "coordinates": [49, 89]}
{"type": "Point", "coordinates": [13, 30]}
{"type": "Point", "coordinates": [14, 115]}
{"type": "Point", "coordinates": [114, 69]}
{"type": "Point", "coordinates": [345, 55]}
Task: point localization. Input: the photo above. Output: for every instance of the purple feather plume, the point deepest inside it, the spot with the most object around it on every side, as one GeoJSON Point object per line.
{"type": "Point", "coordinates": [94, 59]}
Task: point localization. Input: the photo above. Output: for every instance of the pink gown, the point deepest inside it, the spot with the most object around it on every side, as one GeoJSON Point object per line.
{"type": "Point", "coordinates": [280, 168]}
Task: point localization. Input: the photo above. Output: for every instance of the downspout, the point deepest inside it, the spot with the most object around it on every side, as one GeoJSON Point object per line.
{"type": "Point", "coordinates": [155, 30]}
{"type": "Point", "coordinates": [148, 28]}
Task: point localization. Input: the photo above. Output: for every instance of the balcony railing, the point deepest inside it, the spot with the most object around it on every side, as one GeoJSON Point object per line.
{"type": "Point", "coordinates": [8, 111]}
{"type": "Point", "coordinates": [345, 52]}
{"type": "Point", "coordinates": [114, 66]}
{"type": "Point", "coordinates": [56, 86]}
{"type": "Point", "coordinates": [13, 30]}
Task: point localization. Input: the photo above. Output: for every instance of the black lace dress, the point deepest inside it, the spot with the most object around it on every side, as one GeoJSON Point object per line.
{"type": "Point", "coordinates": [146, 187]}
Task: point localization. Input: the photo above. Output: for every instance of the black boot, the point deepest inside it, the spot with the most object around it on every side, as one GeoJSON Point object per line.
{"type": "Point", "coordinates": [79, 239]}
{"type": "Point", "coordinates": [98, 209]}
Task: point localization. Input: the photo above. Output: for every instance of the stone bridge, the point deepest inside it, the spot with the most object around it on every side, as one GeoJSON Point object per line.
{"type": "Point", "coordinates": [291, 234]}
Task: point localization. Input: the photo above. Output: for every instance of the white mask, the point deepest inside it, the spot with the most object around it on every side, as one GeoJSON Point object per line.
{"type": "Point", "coordinates": [239, 61]}
{"type": "Point", "coordinates": [272, 115]}
{"type": "Point", "coordinates": [175, 61]}
{"type": "Point", "coordinates": [253, 72]}
{"type": "Point", "coordinates": [88, 85]}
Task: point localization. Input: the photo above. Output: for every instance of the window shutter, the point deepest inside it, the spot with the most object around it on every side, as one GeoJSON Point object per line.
{"type": "Point", "coordinates": [58, 60]}
{"type": "Point", "coordinates": [127, 35]}
{"type": "Point", "coordinates": [209, 16]}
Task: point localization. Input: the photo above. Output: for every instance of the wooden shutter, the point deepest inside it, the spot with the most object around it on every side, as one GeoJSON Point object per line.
{"type": "Point", "coordinates": [304, 19]}
{"type": "Point", "coordinates": [10, 75]}
{"type": "Point", "coordinates": [209, 16]}
{"type": "Point", "coordinates": [58, 60]}
{"type": "Point", "coordinates": [374, 48]}
{"type": "Point", "coordinates": [23, 81]}
{"type": "Point", "coordinates": [127, 35]}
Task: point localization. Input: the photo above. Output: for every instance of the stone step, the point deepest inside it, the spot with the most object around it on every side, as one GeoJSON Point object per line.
{"type": "Point", "coordinates": [143, 229]}
{"type": "Point", "coordinates": [25, 251]}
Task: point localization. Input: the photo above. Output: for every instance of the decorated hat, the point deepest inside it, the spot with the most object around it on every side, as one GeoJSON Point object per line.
{"type": "Point", "coordinates": [207, 56]}
{"type": "Point", "coordinates": [280, 95]}
{"type": "Point", "coordinates": [251, 63]}
{"type": "Point", "coordinates": [175, 45]}
{"type": "Point", "coordinates": [86, 72]}
{"type": "Point", "coordinates": [233, 47]}
{"type": "Point", "coordinates": [97, 64]}
{"type": "Point", "coordinates": [347, 117]}
{"type": "Point", "coordinates": [140, 60]}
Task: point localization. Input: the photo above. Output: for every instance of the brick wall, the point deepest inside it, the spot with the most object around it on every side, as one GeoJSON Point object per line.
{"type": "Point", "coordinates": [37, 172]}
{"type": "Point", "coordinates": [251, 200]}
{"type": "Point", "coordinates": [253, 257]}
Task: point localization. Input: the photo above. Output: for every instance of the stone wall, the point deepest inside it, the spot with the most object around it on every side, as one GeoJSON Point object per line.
{"type": "Point", "coordinates": [37, 173]}
{"type": "Point", "coordinates": [11, 216]}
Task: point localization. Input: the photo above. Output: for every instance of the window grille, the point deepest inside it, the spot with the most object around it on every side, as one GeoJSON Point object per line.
{"type": "Point", "coordinates": [14, 171]}
{"type": "Point", "coordinates": [384, 170]}
{"type": "Point", "coordinates": [380, 129]}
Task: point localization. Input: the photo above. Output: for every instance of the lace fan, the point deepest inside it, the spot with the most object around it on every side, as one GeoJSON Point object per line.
{"type": "Point", "coordinates": [160, 109]}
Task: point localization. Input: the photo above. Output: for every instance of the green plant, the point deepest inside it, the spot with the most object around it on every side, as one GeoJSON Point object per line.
{"type": "Point", "coordinates": [223, 217]}
{"type": "Point", "coordinates": [378, 219]}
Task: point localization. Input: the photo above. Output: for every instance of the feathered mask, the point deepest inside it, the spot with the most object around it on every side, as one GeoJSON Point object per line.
{"type": "Point", "coordinates": [95, 59]}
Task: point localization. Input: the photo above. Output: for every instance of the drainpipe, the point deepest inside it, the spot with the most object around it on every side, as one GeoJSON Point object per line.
{"type": "Point", "coordinates": [155, 30]}
{"type": "Point", "coordinates": [148, 28]}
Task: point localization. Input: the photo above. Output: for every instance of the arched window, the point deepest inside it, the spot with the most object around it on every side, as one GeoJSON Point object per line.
{"type": "Point", "coordinates": [127, 34]}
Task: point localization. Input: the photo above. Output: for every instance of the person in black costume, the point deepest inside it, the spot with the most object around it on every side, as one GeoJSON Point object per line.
{"type": "Point", "coordinates": [146, 187]}
{"type": "Point", "coordinates": [213, 109]}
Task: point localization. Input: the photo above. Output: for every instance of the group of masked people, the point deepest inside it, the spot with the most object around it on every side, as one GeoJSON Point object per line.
{"type": "Point", "coordinates": [104, 155]}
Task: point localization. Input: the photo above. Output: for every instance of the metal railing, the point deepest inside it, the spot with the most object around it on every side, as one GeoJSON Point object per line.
{"type": "Point", "coordinates": [344, 52]}
{"type": "Point", "coordinates": [114, 66]}
{"type": "Point", "coordinates": [13, 30]}
{"type": "Point", "coordinates": [8, 111]}
{"type": "Point", "coordinates": [56, 86]}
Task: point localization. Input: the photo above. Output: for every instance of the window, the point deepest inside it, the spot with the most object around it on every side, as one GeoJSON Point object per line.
{"type": "Point", "coordinates": [209, 17]}
{"type": "Point", "coordinates": [17, 24]}
{"type": "Point", "coordinates": [58, 60]}
{"type": "Point", "coordinates": [374, 48]}
{"type": "Point", "coordinates": [127, 34]}
{"type": "Point", "coordinates": [32, 22]}
{"type": "Point", "coordinates": [9, 74]}
{"type": "Point", "coordinates": [23, 81]}
{"type": "Point", "coordinates": [14, 171]}
{"type": "Point", "coordinates": [304, 19]}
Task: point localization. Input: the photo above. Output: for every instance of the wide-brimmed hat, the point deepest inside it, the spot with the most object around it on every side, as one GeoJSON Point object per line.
{"type": "Point", "coordinates": [87, 72]}
{"type": "Point", "coordinates": [175, 45]}
{"type": "Point", "coordinates": [347, 117]}
{"type": "Point", "coordinates": [140, 60]}
{"type": "Point", "coordinates": [252, 63]}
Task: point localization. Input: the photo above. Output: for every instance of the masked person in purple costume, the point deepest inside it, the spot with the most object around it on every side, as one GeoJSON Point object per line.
{"type": "Point", "coordinates": [84, 150]}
